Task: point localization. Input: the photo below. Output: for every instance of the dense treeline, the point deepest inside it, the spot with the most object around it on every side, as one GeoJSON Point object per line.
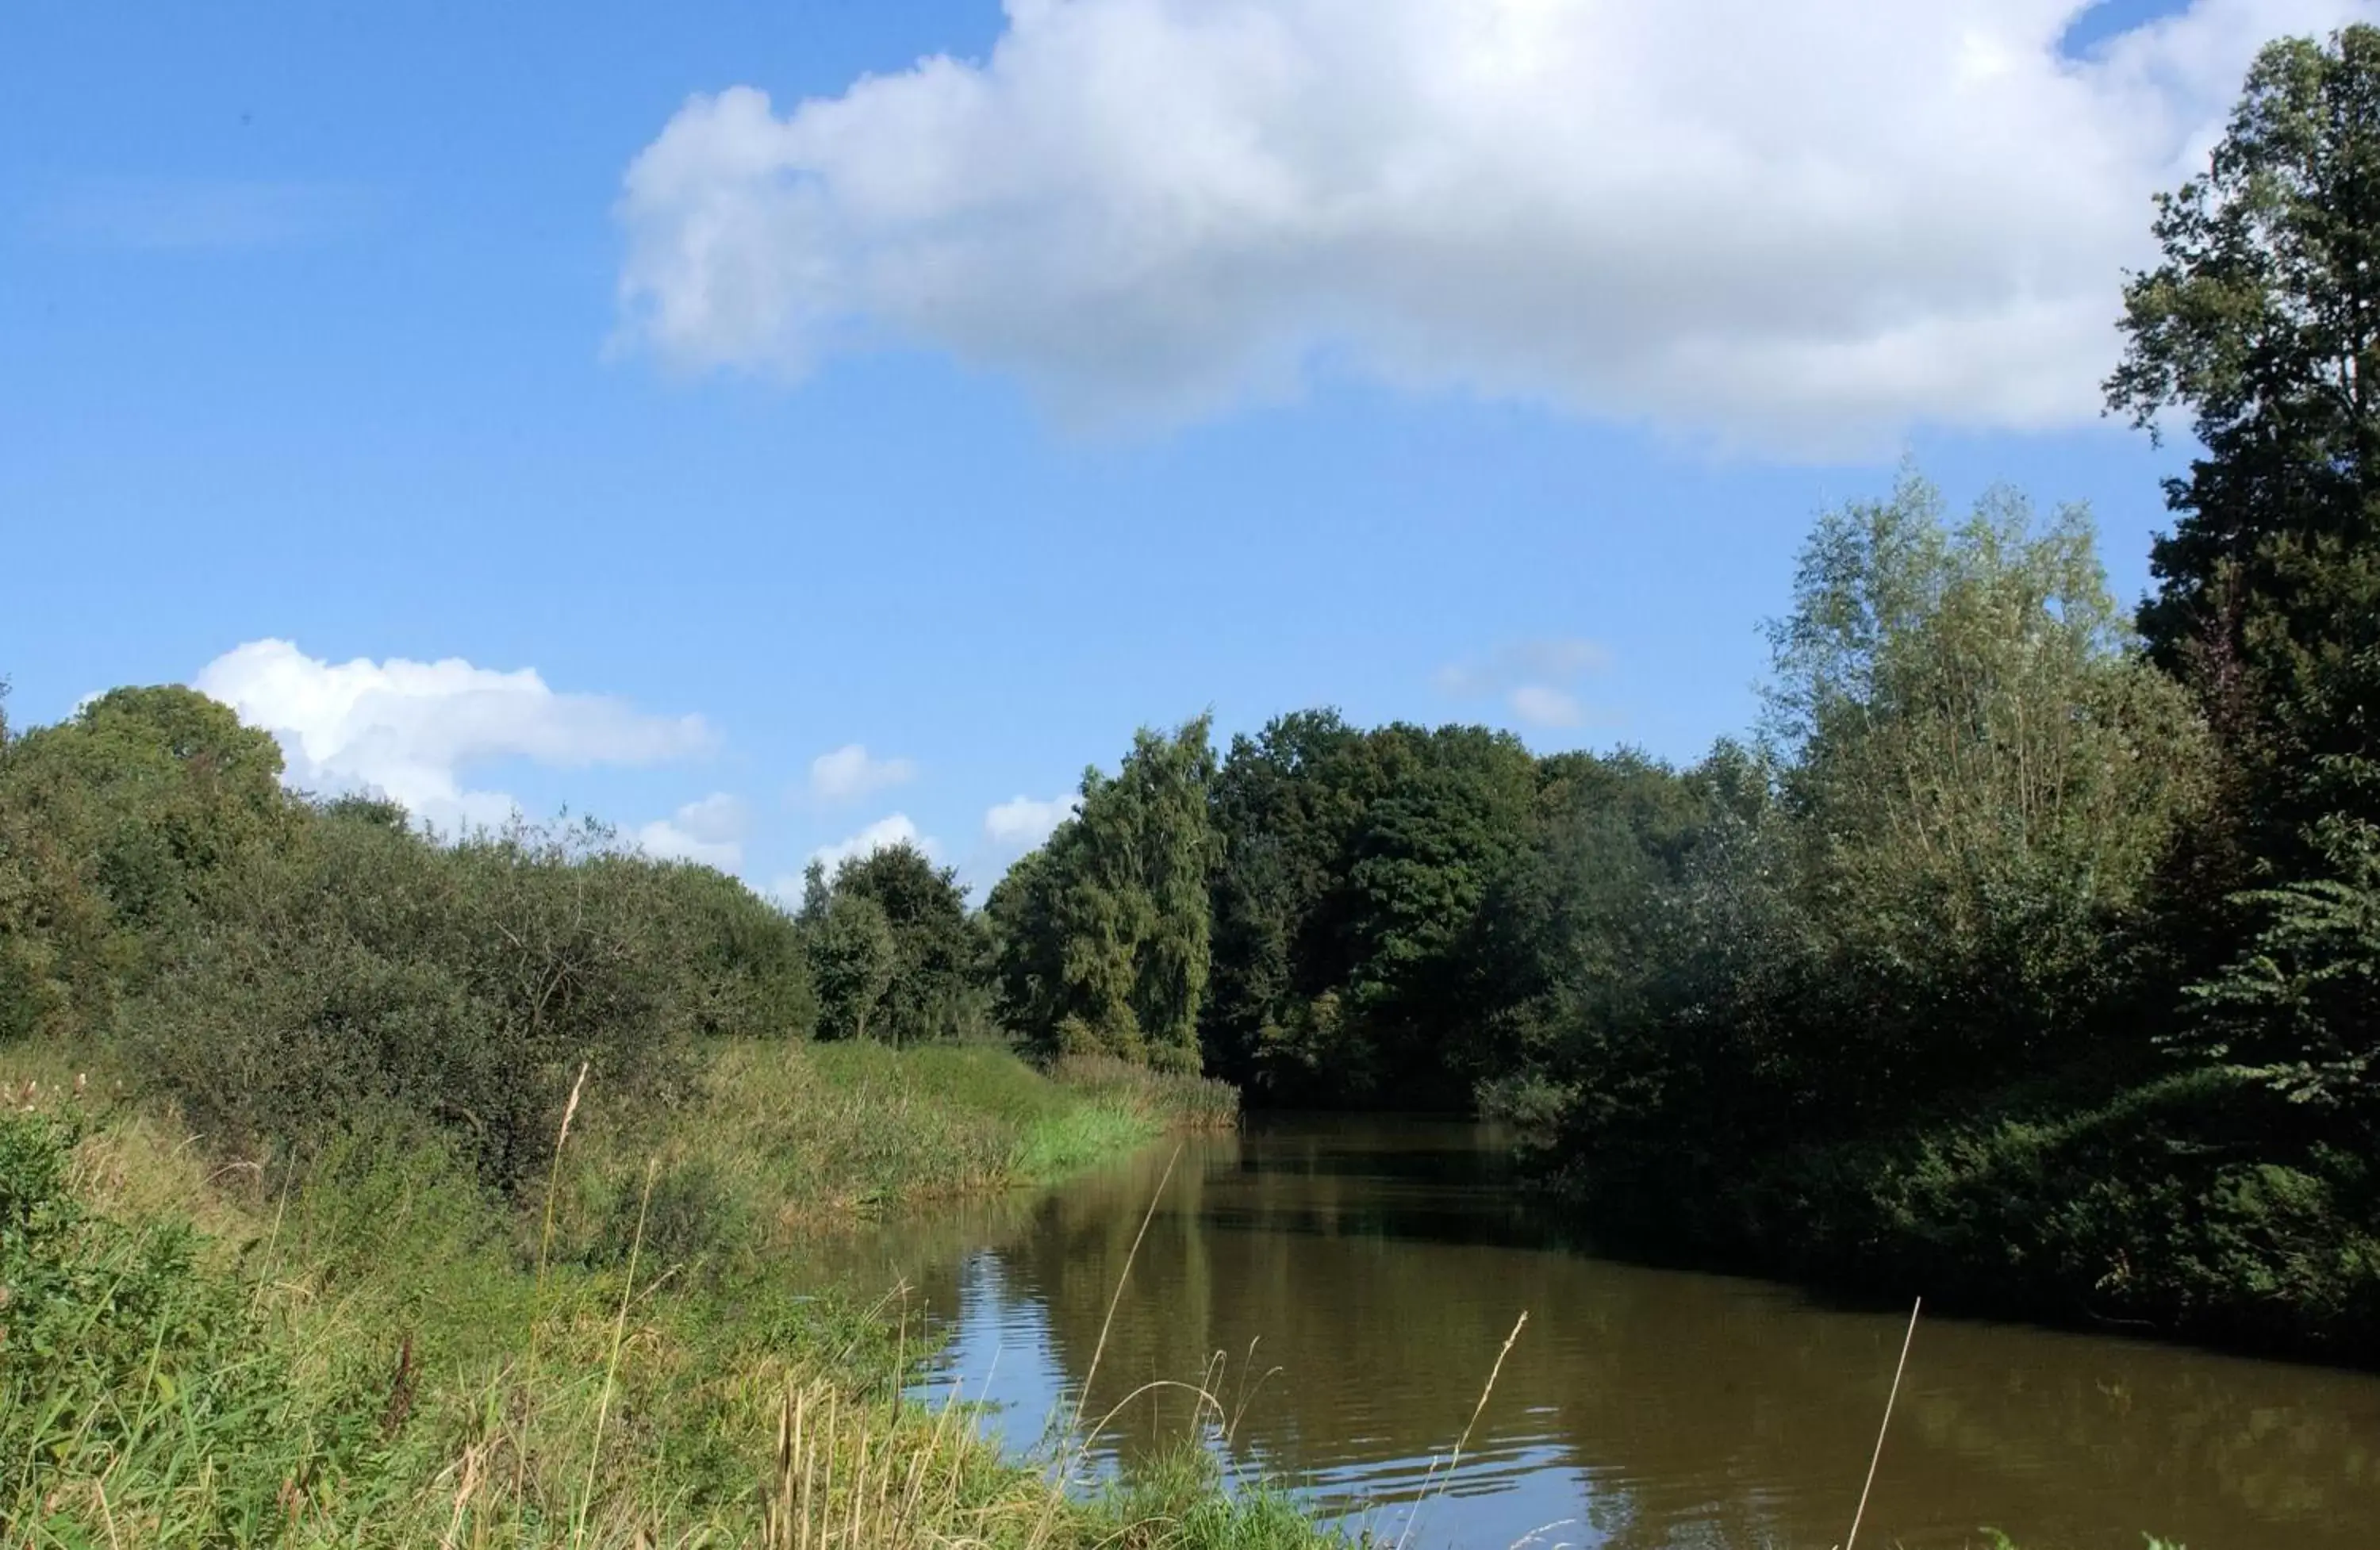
{"type": "Point", "coordinates": [2025, 954]}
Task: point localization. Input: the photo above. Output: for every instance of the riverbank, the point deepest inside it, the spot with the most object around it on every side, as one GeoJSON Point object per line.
{"type": "Point", "coordinates": [370, 1348]}
{"type": "Point", "coordinates": [2198, 1207]}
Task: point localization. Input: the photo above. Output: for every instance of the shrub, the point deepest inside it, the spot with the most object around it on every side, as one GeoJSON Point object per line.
{"type": "Point", "coordinates": [357, 966]}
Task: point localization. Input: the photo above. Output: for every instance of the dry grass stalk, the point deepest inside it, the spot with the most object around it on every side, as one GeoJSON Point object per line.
{"type": "Point", "coordinates": [464, 1488]}
{"type": "Point", "coordinates": [1083, 1395]}
{"type": "Point", "coordinates": [1459, 1443]}
{"type": "Point", "coordinates": [554, 1172]}
{"type": "Point", "coordinates": [1852, 1538]}
{"type": "Point", "coordinates": [612, 1370]}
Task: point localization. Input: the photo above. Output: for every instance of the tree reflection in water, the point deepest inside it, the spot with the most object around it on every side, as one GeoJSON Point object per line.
{"type": "Point", "coordinates": [1372, 1267]}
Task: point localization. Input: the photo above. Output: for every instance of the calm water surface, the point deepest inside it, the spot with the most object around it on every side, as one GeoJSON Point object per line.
{"type": "Point", "coordinates": [1357, 1278]}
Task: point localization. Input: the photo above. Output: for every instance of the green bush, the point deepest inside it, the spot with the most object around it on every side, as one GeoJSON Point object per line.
{"type": "Point", "coordinates": [358, 966]}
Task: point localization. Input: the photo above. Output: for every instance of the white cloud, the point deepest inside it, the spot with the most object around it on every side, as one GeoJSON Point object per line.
{"type": "Point", "coordinates": [849, 773]}
{"type": "Point", "coordinates": [1541, 705]}
{"type": "Point", "coordinates": [883, 834]}
{"type": "Point", "coordinates": [1800, 224]}
{"type": "Point", "coordinates": [410, 729]}
{"type": "Point", "coordinates": [1021, 823]}
{"type": "Point", "coordinates": [711, 831]}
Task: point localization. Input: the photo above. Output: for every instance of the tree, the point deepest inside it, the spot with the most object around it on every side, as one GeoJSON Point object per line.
{"type": "Point", "coordinates": [2263, 321]}
{"type": "Point", "coordinates": [114, 829]}
{"type": "Point", "coordinates": [1102, 939]}
{"type": "Point", "coordinates": [1984, 776]}
{"type": "Point", "coordinates": [1450, 817]}
{"type": "Point", "coordinates": [936, 974]}
{"type": "Point", "coordinates": [815, 895]}
{"type": "Point", "coordinates": [1350, 954]}
{"type": "Point", "coordinates": [2298, 1008]}
{"type": "Point", "coordinates": [852, 957]}
{"type": "Point", "coordinates": [1283, 811]}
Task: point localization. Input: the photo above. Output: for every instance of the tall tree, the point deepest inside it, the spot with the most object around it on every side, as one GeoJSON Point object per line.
{"type": "Point", "coordinates": [2263, 321]}
{"type": "Point", "coordinates": [1285, 814]}
{"type": "Point", "coordinates": [1102, 936]}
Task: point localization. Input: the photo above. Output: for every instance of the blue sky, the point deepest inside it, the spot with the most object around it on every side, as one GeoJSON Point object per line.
{"type": "Point", "coordinates": [359, 332]}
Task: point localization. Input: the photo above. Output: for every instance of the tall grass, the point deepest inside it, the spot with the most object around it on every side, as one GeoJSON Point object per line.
{"type": "Point", "coordinates": [372, 1348]}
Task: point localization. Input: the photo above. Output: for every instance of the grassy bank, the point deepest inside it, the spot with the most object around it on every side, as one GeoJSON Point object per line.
{"type": "Point", "coordinates": [776, 1136]}
{"type": "Point", "coordinates": [372, 1348]}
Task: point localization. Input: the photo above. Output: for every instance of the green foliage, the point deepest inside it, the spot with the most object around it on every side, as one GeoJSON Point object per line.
{"type": "Point", "coordinates": [286, 969]}
{"type": "Point", "coordinates": [1354, 901]}
{"type": "Point", "coordinates": [2262, 321]}
{"type": "Point", "coordinates": [1983, 779]}
{"type": "Point", "coordinates": [937, 985]}
{"type": "Point", "coordinates": [114, 830]}
{"type": "Point", "coordinates": [2300, 1007]}
{"type": "Point", "coordinates": [740, 963]}
{"type": "Point", "coordinates": [117, 1352]}
{"type": "Point", "coordinates": [1101, 938]}
{"type": "Point", "coordinates": [852, 961]}
{"type": "Point", "coordinates": [2192, 1205]}
{"type": "Point", "coordinates": [357, 967]}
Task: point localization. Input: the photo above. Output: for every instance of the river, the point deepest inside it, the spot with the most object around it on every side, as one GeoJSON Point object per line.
{"type": "Point", "coordinates": [1344, 1286]}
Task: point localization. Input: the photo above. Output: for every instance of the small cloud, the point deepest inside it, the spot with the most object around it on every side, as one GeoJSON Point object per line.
{"type": "Point", "coordinates": [1531, 677]}
{"type": "Point", "coordinates": [1554, 660]}
{"type": "Point", "coordinates": [408, 730]}
{"type": "Point", "coordinates": [881, 835]}
{"type": "Point", "coordinates": [152, 215]}
{"type": "Point", "coordinates": [710, 831]}
{"type": "Point", "coordinates": [1021, 823]}
{"type": "Point", "coordinates": [849, 773]}
{"type": "Point", "coordinates": [1541, 705]}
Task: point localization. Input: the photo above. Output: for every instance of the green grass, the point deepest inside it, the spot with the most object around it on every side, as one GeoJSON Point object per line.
{"type": "Point", "coordinates": [1064, 1143]}
{"type": "Point", "coordinates": [368, 1348]}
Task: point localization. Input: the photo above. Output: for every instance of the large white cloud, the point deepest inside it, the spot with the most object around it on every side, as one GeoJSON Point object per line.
{"type": "Point", "coordinates": [850, 771]}
{"type": "Point", "coordinates": [1802, 225]}
{"type": "Point", "coordinates": [410, 730]}
{"type": "Point", "coordinates": [1023, 822]}
{"type": "Point", "coordinates": [711, 831]}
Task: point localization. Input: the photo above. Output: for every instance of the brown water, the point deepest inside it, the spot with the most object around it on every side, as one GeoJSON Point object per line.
{"type": "Point", "coordinates": [1375, 1268]}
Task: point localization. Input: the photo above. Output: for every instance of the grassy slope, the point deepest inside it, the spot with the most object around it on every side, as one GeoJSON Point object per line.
{"type": "Point", "coordinates": [366, 1351]}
